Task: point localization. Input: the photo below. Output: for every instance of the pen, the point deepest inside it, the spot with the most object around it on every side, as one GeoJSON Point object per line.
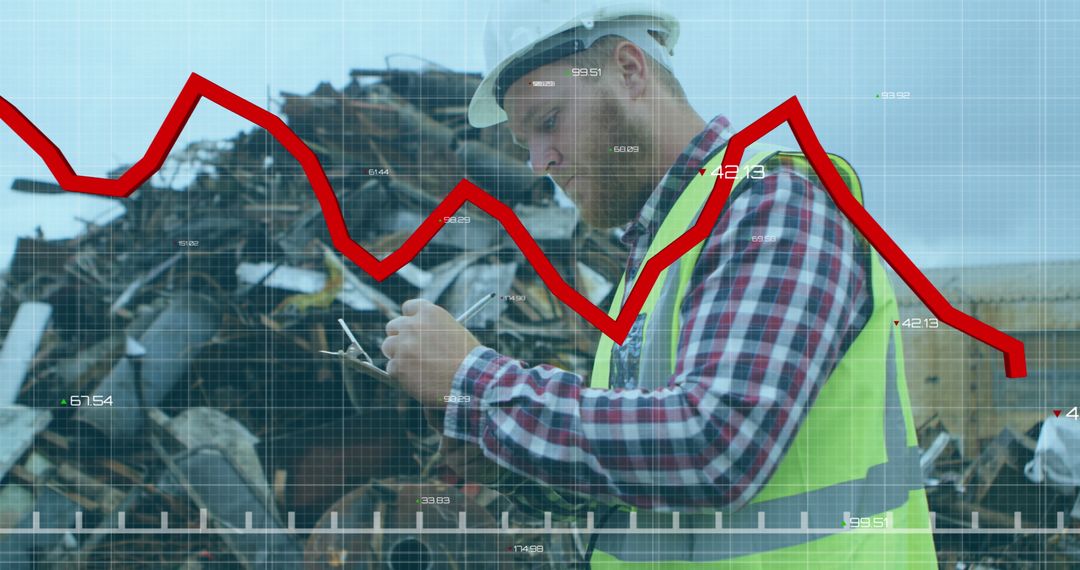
{"type": "Point", "coordinates": [475, 308]}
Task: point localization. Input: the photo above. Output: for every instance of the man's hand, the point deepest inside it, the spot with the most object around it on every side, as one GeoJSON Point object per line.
{"type": "Point", "coordinates": [425, 347]}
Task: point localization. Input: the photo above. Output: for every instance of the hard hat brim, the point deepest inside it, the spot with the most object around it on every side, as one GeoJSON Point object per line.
{"type": "Point", "coordinates": [484, 109]}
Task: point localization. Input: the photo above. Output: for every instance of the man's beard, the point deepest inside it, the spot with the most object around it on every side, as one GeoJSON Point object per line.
{"type": "Point", "coordinates": [610, 187]}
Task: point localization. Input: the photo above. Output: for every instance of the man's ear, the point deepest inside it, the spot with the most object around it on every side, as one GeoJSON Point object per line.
{"type": "Point", "coordinates": [632, 67]}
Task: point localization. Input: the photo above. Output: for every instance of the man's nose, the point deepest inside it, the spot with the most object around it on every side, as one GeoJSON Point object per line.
{"type": "Point", "coordinates": [543, 159]}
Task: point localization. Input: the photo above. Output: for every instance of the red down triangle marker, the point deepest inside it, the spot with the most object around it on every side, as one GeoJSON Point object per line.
{"type": "Point", "coordinates": [701, 171]}
{"type": "Point", "coordinates": [896, 322]}
{"type": "Point", "coordinates": [1057, 413]}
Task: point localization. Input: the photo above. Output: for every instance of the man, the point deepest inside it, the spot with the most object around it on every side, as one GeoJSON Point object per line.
{"type": "Point", "coordinates": [763, 375]}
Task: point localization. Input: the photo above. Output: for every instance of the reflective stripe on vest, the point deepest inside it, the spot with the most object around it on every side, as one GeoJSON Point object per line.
{"type": "Point", "coordinates": [885, 486]}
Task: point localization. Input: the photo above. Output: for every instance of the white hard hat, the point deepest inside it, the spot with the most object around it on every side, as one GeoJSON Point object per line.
{"type": "Point", "coordinates": [524, 35]}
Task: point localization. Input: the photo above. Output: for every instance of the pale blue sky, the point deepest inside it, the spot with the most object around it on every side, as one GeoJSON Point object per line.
{"type": "Point", "coordinates": [978, 166]}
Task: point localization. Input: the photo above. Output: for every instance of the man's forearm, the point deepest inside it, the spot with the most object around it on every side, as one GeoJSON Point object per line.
{"type": "Point", "coordinates": [542, 423]}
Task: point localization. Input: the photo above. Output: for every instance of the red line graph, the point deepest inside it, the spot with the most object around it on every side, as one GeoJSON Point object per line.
{"type": "Point", "coordinates": [198, 87]}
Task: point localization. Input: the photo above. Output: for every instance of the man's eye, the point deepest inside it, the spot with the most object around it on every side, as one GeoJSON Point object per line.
{"type": "Point", "coordinates": [549, 122]}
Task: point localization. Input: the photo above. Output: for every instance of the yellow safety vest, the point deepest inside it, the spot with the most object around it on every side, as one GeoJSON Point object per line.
{"type": "Point", "coordinates": [853, 464]}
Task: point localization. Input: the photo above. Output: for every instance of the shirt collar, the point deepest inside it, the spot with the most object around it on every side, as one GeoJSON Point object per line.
{"type": "Point", "coordinates": [686, 166]}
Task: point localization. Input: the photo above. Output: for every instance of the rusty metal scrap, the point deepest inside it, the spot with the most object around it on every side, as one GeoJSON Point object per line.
{"type": "Point", "coordinates": [209, 304]}
{"type": "Point", "coordinates": [993, 486]}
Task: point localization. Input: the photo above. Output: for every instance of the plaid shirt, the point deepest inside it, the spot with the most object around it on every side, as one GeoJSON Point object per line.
{"type": "Point", "coordinates": [764, 323]}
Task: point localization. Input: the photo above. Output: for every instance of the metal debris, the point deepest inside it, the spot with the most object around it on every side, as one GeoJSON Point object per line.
{"type": "Point", "coordinates": [20, 425]}
{"type": "Point", "coordinates": [20, 346]}
{"type": "Point", "coordinates": [187, 333]}
{"type": "Point", "coordinates": [995, 488]}
{"type": "Point", "coordinates": [146, 377]}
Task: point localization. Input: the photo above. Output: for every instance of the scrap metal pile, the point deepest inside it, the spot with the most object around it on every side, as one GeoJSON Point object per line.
{"type": "Point", "coordinates": [1027, 481]}
{"type": "Point", "coordinates": [169, 361]}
